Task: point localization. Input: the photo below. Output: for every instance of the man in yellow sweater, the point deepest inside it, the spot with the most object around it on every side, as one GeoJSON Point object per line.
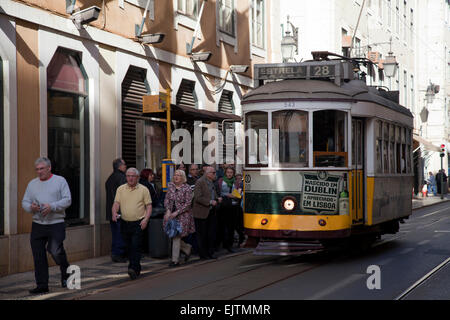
{"type": "Point", "coordinates": [135, 204]}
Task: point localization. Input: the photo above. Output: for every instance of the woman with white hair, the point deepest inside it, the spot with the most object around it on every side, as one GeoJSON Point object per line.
{"type": "Point", "coordinates": [178, 206]}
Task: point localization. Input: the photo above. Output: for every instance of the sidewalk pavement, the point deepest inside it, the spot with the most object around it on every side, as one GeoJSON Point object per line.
{"type": "Point", "coordinates": [100, 273]}
{"type": "Point", "coordinates": [96, 275]}
{"type": "Point", "coordinates": [419, 201]}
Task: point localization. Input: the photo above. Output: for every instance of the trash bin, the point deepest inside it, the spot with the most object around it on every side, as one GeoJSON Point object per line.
{"type": "Point", "coordinates": [158, 241]}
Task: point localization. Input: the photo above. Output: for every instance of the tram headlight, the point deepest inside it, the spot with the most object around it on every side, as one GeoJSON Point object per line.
{"type": "Point", "coordinates": [289, 203]}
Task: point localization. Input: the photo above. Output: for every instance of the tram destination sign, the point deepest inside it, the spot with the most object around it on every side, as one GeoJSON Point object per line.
{"type": "Point", "coordinates": [296, 71]}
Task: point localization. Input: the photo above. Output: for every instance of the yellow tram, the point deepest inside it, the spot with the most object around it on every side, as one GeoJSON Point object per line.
{"type": "Point", "coordinates": [328, 159]}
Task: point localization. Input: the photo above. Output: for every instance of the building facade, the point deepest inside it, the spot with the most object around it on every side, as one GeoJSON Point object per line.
{"type": "Point", "coordinates": [433, 65]}
{"type": "Point", "coordinates": [73, 92]}
{"type": "Point", "coordinates": [416, 32]}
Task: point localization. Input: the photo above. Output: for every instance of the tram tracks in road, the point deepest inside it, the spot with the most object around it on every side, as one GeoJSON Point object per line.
{"type": "Point", "coordinates": [415, 224]}
{"type": "Point", "coordinates": [248, 272]}
{"type": "Point", "coordinates": [423, 280]}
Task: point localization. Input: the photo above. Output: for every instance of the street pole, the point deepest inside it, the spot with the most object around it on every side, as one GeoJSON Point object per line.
{"type": "Point", "coordinates": [442, 176]}
{"type": "Point", "coordinates": [168, 124]}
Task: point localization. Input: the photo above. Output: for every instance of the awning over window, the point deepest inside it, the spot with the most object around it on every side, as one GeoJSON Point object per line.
{"type": "Point", "coordinates": [184, 113]}
{"type": "Point", "coordinates": [64, 74]}
{"type": "Point", "coordinates": [427, 144]}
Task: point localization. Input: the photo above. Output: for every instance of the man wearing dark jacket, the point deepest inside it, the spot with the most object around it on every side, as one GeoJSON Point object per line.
{"type": "Point", "coordinates": [206, 200]}
{"type": "Point", "coordinates": [193, 175]}
{"type": "Point", "coordinates": [115, 180]}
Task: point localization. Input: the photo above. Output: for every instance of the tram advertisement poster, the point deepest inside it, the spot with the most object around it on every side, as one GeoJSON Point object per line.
{"type": "Point", "coordinates": [320, 192]}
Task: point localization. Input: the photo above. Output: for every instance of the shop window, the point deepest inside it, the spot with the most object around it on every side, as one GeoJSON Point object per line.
{"type": "Point", "coordinates": [155, 144]}
{"type": "Point", "coordinates": [68, 129]}
{"type": "Point", "coordinates": [329, 139]}
{"type": "Point", "coordinates": [292, 126]}
{"type": "Point", "coordinates": [256, 125]}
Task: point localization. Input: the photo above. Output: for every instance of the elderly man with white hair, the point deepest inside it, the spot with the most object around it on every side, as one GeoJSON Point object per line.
{"type": "Point", "coordinates": [47, 197]}
{"type": "Point", "coordinates": [134, 201]}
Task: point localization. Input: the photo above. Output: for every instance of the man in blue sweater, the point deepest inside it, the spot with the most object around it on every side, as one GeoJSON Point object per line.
{"type": "Point", "coordinates": [47, 197]}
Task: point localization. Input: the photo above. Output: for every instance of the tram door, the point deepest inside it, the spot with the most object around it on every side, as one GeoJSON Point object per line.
{"type": "Point", "coordinates": [357, 173]}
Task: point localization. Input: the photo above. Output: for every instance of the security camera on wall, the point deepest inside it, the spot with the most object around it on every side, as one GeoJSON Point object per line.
{"type": "Point", "coordinates": [85, 16]}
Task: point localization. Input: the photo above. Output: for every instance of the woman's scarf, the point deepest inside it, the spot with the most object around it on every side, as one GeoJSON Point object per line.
{"type": "Point", "coordinates": [229, 182]}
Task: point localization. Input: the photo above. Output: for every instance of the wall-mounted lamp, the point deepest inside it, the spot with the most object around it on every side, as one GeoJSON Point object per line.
{"type": "Point", "coordinates": [200, 56]}
{"type": "Point", "coordinates": [390, 64]}
{"type": "Point", "coordinates": [197, 56]}
{"type": "Point", "coordinates": [432, 89]}
{"type": "Point", "coordinates": [85, 16]}
{"type": "Point", "coordinates": [151, 38]}
{"type": "Point", "coordinates": [238, 68]}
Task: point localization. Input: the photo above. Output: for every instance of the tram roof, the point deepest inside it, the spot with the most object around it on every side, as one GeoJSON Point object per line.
{"type": "Point", "coordinates": [319, 90]}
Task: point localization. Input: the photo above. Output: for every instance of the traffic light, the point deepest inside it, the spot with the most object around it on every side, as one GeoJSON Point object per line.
{"type": "Point", "coordinates": [442, 150]}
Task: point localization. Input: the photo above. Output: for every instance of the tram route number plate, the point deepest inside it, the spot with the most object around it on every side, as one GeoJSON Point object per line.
{"type": "Point", "coordinates": [295, 72]}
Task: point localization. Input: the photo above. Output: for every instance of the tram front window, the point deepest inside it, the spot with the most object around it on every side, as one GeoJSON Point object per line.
{"type": "Point", "coordinates": [329, 138]}
{"type": "Point", "coordinates": [256, 135]}
{"type": "Point", "coordinates": [292, 126]}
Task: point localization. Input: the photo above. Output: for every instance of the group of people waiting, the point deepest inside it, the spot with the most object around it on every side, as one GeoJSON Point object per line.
{"type": "Point", "coordinates": [207, 211]}
{"type": "Point", "coordinates": [433, 184]}
{"type": "Point", "coordinates": [201, 211]}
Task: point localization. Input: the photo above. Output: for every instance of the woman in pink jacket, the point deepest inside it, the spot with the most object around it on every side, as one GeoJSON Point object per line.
{"type": "Point", "coordinates": [178, 206]}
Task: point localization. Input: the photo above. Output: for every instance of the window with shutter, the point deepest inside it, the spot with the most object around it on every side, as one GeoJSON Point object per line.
{"type": "Point", "coordinates": [226, 106]}
{"type": "Point", "coordinates": [134, 87]}
{"type": "Point", "coordinates": [186, 94]}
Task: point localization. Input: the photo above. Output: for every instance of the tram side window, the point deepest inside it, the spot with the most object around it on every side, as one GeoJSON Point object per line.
{"type": "Point", "coordinates": [408, 151]}
{"type": "Point", "coordinates": [256, 136]}
{"type": "Point", "coordinates": [378, 145]}
{"type": "Point", "coordinates": [398, 149]}
{"type": "Point", "coordinates": [292, 148]}
{"type": "Point", "coordinates": [385, 147]}
{"type": "Point", "coordinates": [403, 160]}
{"type": "Point", "coordinates": [392, 148]}
{"type": "Point", "coordinates": [329, 138]}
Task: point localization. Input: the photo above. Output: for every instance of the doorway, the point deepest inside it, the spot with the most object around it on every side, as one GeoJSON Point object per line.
{"type": "Point", "coordinates": [356, 177]}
